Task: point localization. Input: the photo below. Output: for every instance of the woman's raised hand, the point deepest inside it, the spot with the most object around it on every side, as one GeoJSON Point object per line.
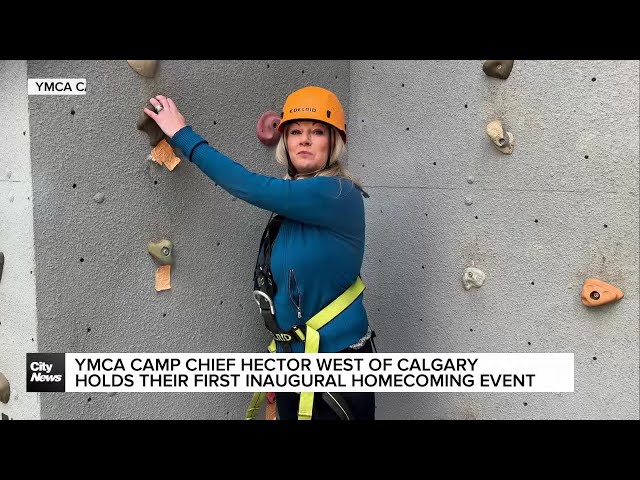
{"type": "Point", "coordinates": [167, 115]}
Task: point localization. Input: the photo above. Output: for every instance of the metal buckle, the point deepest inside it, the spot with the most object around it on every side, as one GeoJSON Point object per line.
{"type": "Point", "coordinates": [256, 296]}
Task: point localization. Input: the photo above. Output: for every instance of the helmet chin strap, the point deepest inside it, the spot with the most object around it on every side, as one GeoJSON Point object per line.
{"type": "Point", "coordinates": [309, 173]}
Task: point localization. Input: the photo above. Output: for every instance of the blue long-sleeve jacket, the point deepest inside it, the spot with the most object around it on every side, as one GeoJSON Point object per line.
{"type": "Point", "coordinates": [318, 252]}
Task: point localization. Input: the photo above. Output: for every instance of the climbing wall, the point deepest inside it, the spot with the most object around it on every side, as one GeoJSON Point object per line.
{"type": "Point", "coordinates": [17, 276]}
{"type": "Point", "coordinates": [536, 213]}
{"type": "Point", "coordinates": [99, 202]}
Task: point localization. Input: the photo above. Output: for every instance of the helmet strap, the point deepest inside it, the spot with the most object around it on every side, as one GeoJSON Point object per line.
{"type": "Point", "coordinates": [330, 145]}
{"type": "Point", "coordinates": [291, 170]}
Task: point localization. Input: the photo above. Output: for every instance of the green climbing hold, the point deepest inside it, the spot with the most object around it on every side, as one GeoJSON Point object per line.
{"type": "Point", "coordinates": [162, 251]}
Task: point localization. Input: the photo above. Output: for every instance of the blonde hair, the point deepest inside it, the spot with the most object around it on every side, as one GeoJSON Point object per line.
{"type": "Point", "coordinates": [336, 167]}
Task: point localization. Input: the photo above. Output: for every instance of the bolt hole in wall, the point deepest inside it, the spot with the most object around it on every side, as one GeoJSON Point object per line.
{"type": "Point", "coordinates": [73, 112]}
{"type": "Point", "coordinates": [74, 185]}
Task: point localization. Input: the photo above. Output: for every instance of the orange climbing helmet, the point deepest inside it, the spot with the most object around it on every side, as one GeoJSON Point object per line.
{"type": "Point", "coordinates": [314, 103]}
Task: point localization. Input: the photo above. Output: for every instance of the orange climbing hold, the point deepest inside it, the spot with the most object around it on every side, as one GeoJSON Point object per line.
{"type": "Point", "coordinates": [596, 292]}
{"type": "Point", "coordinates": [163, 278]}
{"type": "Point", "coordinates": [163, 154]}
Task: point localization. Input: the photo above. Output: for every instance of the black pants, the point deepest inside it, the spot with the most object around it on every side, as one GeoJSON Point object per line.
{"type": "Point", "coordinates": [362, 404]}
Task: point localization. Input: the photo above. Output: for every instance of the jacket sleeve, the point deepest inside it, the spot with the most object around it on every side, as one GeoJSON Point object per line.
{"type": "Point", "coordinates": [322, 201]}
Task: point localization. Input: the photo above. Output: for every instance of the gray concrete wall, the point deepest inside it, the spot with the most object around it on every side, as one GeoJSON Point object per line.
{"type": "Point", "coordinates": [418, 141]}
{"type": "Point", "coordinates": [17, 285]}
{"type": "Point", "coordinates": [562, 207]}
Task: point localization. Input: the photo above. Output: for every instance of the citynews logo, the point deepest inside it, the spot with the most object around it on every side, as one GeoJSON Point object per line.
{"type": "Point", "coordinates": [45, 372]}
{"type": "Point", "coordinates": [57, 86]}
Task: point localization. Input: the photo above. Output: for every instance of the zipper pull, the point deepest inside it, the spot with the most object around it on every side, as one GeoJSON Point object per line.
{"type": "Point", "coordinates": [299, 313]}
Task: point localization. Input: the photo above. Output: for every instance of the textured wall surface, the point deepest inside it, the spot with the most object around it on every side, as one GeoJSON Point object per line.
{"type": "Point", "coordinates": [17, 284]}
{"type": "Point", "coordinates": [562, 207]}
{"type": "Point", "coordinates": [96, 280]}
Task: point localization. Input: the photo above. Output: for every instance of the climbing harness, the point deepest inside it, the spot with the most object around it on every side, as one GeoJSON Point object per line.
{"type": "Point", "coordinates": [264, 291]}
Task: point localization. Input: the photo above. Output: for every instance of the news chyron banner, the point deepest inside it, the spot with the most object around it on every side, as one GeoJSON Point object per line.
{"type": "Point", "coordinates": [340, 372]}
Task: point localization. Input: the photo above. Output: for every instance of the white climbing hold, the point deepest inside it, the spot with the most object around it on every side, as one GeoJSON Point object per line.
{"type": "Point", "coordinates": [502, 139]}
{"type": "Point", "coordinates": [473, 277]}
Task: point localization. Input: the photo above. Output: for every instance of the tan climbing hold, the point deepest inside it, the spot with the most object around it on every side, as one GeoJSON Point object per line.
{"type": "Point", "coordinates": [163, 154]}
{"type": "Point", "coordinates": [5, 389]}
{"type": "Point", "coordinates": [163, 278]}
{"type": "Point", "coordinates": [146, 68]}
{"type": "Point", "coordinates": [498, 68]}
{"type": "Point", "coordinates": [502, 139]}
{"type": "Point", "coordinates": [595, 292]}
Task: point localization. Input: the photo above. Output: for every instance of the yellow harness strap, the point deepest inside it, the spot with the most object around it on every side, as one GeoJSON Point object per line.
{"type": "Point", "coordinates": [311, 345]}
{"type": "Point", "coordinates": [254, 406]}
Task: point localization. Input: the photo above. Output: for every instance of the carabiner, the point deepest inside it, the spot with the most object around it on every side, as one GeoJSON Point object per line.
{"type": "Point", "coordinates": [256, 296]}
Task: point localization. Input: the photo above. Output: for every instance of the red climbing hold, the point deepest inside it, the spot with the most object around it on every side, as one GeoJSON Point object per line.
{"type": "Point", "coordinates": [267, 128]}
